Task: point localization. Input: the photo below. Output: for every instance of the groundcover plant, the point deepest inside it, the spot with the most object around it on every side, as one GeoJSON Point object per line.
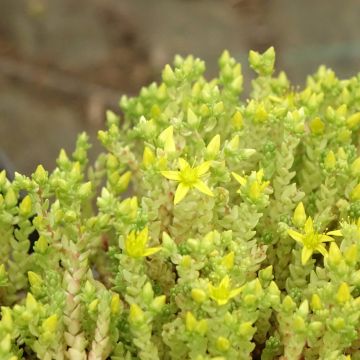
{"type": "Point", "coordinates": [210, 228]}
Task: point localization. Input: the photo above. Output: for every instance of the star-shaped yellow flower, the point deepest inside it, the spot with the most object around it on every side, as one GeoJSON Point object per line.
{"type": "Point", "coordinates": [222, 293]}
{"type": "Point", "coordinates": [311, 240]}
{"type": "Point", "coordinates": [188, 177]}
{"type": "Point", "coordinates": [135, 244]}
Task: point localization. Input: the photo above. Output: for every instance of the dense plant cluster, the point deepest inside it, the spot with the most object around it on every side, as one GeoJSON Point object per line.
{"type": "Point", "coordinates": [210, 228]}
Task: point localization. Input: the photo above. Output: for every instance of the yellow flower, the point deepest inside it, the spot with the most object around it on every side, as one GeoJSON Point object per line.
{"type": "Point", "coordinates": [255, 186]}
{"type": "Point", "coordinates": [311, 240]}
{"type": "Point", "coordinates": [222, 293]}
{"type": "Point", "coordinates": [135, 244]}
{"type": "Point", "coordinates": [188, 177]}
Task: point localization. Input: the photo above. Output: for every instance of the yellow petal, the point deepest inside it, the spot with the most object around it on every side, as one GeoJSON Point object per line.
{"type": "Point", "coordinates": [335, 233]}
{"type": "Point", "coordinates": [203, 168]}
{"type": "Point", "coordinates": [183, 164]}
{"type": "Point", "coordinates": [172, 175]}
{"type": "Point", "coordinates": [305, 255]}
{"type": "Point", "coordinates": [239, 178]}
{"type": "Point", "coordinates": [150, 251]}
{"type": "Point", "coordinates": [325, 238]}
{"type": "Point", "coordinates": [260, 175]}
{"type": "Point", "coordinates": [321, 249]}
{"type": "Point", "coordinates": [295, 235]}
{"type": "Point", "coordinates": [235, 292]}
{"type": "Point", "coordinates": [309, 226]}
{"type": "Point", "coordinates": [180, 193]}
{"type": "Point", "coordinates": [225, 282]}
{"type": "Point", "coordinates": [143, 236]}
{"type": "Point", "coordinates": [203, 188]}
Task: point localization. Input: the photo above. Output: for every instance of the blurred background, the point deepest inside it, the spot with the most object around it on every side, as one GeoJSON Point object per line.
{"type": "Point", "coordinates": [64, 62]}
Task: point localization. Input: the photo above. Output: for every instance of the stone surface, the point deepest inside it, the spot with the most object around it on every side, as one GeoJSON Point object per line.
{"type": "Point", "coordinates": [70, 60]}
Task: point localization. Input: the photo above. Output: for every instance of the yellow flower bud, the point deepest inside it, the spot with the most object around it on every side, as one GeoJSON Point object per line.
{"type": "Point", "coordinates": [355, 167]}
{"type": "Point", "coordinates": [115, 304]}
{"type": "Point", "coordinates": [93, 305]}
{"type": "Point", "coordinates": [353, 120]}
{"type": "Point", "coordinates": [299, 217]}
{"type": "Point", "coordinates": [335, 255]}
{"type": "Point", "coordinates": [158, 303]}
{"type": "Point", "coordinates": [123, 182]}
{"type": "Point", "coordinates": [34, 279]}
{"type": "Point", "coordinates": [148, 157]}
{"type": "Point", "coordinates": [316, 303]}
{"type": "Point", "coordinates": [330, 160]}
{"type": "Point", "coordinates": [355, 193]}
{"type": "Point", "coordinates": [136, 315]}
{"type": "Point", "coordinates": [198, 295]}
{"type": "Point", "coordinates": [343, 294]}
{"type": "Point", "coordinates": [222, 343]}
{"type": "Point", "coordinates": [237, 120]}
{"type": "Point", "coordinates": [228, 260]}
{"type": "Point", "coordinates": [41, 245]}
{"type": "Point", "coordinates": [190, 321]}
{"type": "Point", "coordinates": [317, 127]}
{"type": "Point", "coordinates": [50, 324]}
{"type": "Point", "coordinates": [213, 147]}
{"type": "Point", "coordinates": [167, 138]}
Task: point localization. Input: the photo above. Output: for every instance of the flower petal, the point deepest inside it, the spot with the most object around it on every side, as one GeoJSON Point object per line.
{"type": "Point", "coordinates": [235, 292]}
{"type": "Point", "coordinates": [225, 282]}
{"type": "Point", "coordinates": [309, 226]}
{"type": "Point", "coordinates": [335, 233]}
{"type": "Point", "coordinates": [239, 178]}
{"type": "Point", "coordinates": [305, 255]}
{"type": "Point", "coordinates": [150, 251]}
{"type": "Point", "coordinates": [203, 168]}
{"type": "Point", "coordinates": [201, 186]}
{"type": "Point", "coordinates": [321, 249]}
{"type": "Point", "coordinates": [325, 238]}
{"type": "Point", "coordinates": [295, 235]}
{"type": "Point", "coordinates": [142, 237]}
{"type": "Point", "coordinates": [180, 193]}
{"type": "Point", "coordinates": [172, 175]}
{"type": "Point", "coordinates": [183, 164]}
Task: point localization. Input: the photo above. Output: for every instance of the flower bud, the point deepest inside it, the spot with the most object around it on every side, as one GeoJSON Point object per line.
{"type": "Point", "coordinates": [198, 295]}
{"type": "Point", "coordinates": [213, 147]}
{"type": "Point", "coordinates": [353, 121]}
{"type": "Point", "coordinates": [192, 119]}
{"type": "Point", "coordinates": [148, 157]}
{"type": "Point", "coordinates": [136, 315]}
{"type": "Point", "coordinates": [50, 324]}
{"type": "Point", "coordinates": [167, 139]}
{"type": "Point", "coordinates": [222, 343]}
{"type": "Point", "coordinates": [115, 304]}
{"type": "Point", "coordinates": [343, 294]}
{"type": "Point", "coordinates": [330, 161]}
{"type": "Point", "coordinates": [237, 120]}
{"type": "Point", "coordinates": [158, 303]}
{"type": "Point", "coordinates": [316, 303]}
{"type": "Point", "coordinates": [299, 217]}
{"type": "Point", "coordinates": [317, 126]}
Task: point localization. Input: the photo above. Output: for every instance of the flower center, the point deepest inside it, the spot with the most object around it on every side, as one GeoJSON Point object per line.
{"type": "Point", "coordinates": [188, 176]}
{"type": "Point", "coordinates": [312, 240]}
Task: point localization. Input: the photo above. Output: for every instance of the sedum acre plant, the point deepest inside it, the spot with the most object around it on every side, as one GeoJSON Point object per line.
{"type": "Point", "coordinates": [210, 228]}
